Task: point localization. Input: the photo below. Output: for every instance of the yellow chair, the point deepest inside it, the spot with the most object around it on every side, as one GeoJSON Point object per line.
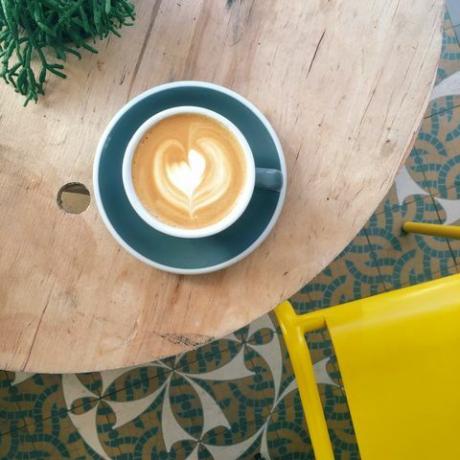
{"type": "Point", "coordinates": [448, 231]}
{"type": "Point", "coordinates": [399, 358]}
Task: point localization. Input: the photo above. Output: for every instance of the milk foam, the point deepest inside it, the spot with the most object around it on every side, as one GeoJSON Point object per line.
{"type": "Point", "coordinates": [189, 171]}
{"type": "Point", "coordinates": [195, 183]}
{"type": "Point", "coordinates": [187, 176]}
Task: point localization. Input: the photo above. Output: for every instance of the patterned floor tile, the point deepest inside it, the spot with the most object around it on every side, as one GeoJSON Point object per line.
{"type": "Point", "coordinates": [339, 422]}
{"type": "Point", "coordinates": [449, 62]}
{"type": "Point", "coordinates": [354, 274]}
{"type": "Point", "coordinates": [408, 259]}
{"type": "Point", "coordinates": [432, 160]}
{"type": "Point", "coordinates": [250, 394]}
{"type": "Point", "coordinates": [449, 214]}
{"type": "Point", "coordinates": [39, 396]}
{"type": "Point", "coordinates": [453, 10]}
{"type": "Point", "coordinates": [206, 404]}
{"type": "Point", "coordinates": [213, 355]}
{"type": "Point", "coordinates": [404, 190]}
{"type": "Point", "coordinates": [11, 418]}
{"type": "Point", "coordinates": [448, 65]}
{"type": "Point", "coordinates": [431, 165]}
{"type": "Point", "coordinates": [435, 160]}
{"type": "Point", "coordinates": [443, 104]}
{"type": "Point", "coordinates": [56, 437]}
{"type": "Point", "coordinates": [42, 413]}
{"type": "Point", "coordinates": [53, 438]}
{"type": "Point", "coordinates": [10, 443]}
{"type": "Point", "coordinates": [287, 435]}
{"type": "Point", "coordinates": [391, 199]}
{"type": "Point", "coordinates": [132, 429]}
{"type": "Point", "coordinates": [457, 32]}
{"type": "Point", "coordinates": [113, 400]}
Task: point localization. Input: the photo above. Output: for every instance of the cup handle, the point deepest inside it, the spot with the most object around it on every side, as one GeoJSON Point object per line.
{"type": "Point", "coordinates": [269, 179]}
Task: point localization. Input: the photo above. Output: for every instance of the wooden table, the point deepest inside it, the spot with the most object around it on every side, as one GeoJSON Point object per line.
{"type": "Point", "coordinates": [345, 84]}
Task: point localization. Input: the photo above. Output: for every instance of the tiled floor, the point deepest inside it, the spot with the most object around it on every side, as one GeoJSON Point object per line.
{"type": "Point", "coordinates": [236, 398]}
{"type": "Point", "coordinates": [454, 13]}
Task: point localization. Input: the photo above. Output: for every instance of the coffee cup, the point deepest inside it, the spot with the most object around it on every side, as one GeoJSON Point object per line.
{"type": "Point", "coordinates": [174, 174]}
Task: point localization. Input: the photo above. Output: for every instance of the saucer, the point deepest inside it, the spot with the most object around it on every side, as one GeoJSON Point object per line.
{"type": "Point", "coordinates": [181, 255]}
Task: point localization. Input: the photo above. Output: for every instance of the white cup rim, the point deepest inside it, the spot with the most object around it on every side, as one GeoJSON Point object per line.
{"type": "Point", "coordinates": [213, 229]}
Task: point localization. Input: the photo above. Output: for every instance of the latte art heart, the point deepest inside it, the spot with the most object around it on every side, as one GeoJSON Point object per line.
{"type": "Point", "coordinates": [189, 171]}
{"type": "Point", "coordinates": [187, 176]}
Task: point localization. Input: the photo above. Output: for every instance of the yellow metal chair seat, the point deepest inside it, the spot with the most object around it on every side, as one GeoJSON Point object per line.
{"type": "Point", "coordinates": [399, 358]}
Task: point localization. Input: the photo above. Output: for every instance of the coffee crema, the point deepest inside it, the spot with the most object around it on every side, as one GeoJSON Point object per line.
{"type": "Point", "coordinates": [189, 170]}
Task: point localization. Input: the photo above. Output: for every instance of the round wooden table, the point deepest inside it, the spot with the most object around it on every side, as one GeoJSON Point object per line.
{"type": "Point", "coordinates": [344, 82]}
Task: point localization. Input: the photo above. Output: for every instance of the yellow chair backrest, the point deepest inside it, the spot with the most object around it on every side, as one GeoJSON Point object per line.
{"type": "Point", "coordinates": [399, 358]}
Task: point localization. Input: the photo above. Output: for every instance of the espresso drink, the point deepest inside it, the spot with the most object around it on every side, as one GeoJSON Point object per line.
{"type": "Point", "coordinates": [189, 170]}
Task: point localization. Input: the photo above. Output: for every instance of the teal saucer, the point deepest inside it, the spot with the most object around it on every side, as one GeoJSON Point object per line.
{"type": "Point", "coordinates": [179, 255]}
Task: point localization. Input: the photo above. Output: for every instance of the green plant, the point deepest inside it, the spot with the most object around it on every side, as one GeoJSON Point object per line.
{"type": "Point", "coordinates": [37, 35]}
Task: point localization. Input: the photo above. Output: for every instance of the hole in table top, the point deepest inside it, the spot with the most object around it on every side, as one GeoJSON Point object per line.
{"type": "Point", "coordinates": [73, 198]}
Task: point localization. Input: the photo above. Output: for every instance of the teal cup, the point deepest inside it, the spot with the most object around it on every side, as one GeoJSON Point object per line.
{"type": "Point", "coordinates": [265, 178]}
{"type": "Point", "coordinates": [217, 248]}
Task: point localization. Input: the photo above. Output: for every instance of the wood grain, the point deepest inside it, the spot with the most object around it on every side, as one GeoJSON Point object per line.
{"type": "Point", "coordinates": [345, 84]}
